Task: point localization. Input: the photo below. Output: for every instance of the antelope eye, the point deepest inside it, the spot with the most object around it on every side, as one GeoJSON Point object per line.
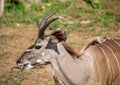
{"type": "Point", "coordinates": [38, 47]}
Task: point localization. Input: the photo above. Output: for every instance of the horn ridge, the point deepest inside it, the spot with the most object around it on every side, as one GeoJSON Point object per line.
{"type": "Point", "coordinates": [43, 25]}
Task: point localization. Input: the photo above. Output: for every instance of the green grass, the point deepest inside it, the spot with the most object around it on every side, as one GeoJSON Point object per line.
{"type": "Point", "coordinates": [71, 11]}
{"type": "Point", "coordinates": [72, 14]}
{"type": "Point", "coordinates": [15, 78]}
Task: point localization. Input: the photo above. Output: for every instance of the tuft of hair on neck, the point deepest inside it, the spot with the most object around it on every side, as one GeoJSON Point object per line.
{"type": "Point", "coordinates": [71, 51]}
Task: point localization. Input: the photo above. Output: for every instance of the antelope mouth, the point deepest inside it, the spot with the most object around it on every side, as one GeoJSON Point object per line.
{"type": "Point", "coordinates": [39, 63]}
{"type": "Point", "coordinates": [26, 66]}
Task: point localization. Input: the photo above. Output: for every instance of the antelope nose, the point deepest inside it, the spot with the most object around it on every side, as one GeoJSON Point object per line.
{"type": "Point", "coordinates": [18, 61]}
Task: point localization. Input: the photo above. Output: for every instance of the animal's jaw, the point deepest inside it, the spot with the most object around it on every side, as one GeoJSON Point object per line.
{"type": "Point", "coordinates": [26, 66]}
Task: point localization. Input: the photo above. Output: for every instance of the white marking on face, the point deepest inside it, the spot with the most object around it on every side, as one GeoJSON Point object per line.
{"type": "Point", "coordinates": [38, 44]}
{"type": "Point", "coordinates": [43, 54]}
{"type": "Point", "coordinates": [29, 66]}
{"type": "Point", "coordinates": [38, 60]}
{"type": "Point", "coordinates": [29, 50]}
{"type": "Point", "coordinates": [19, 64]}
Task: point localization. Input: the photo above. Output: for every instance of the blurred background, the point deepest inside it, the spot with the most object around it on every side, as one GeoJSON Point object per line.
{"type": "Point", "coordinates": [82, 20]}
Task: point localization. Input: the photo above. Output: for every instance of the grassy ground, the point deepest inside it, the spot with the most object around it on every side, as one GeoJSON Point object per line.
{"type": "Point", "coordinates": [81, 22]}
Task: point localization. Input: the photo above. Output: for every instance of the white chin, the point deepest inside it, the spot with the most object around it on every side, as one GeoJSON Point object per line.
{"type": "Point", "coordinates": [40, 61]}
{"type": "Point", "coordinates": [27, 67]}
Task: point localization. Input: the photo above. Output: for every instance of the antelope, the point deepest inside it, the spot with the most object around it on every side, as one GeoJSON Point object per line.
{"type": "Point", "coordinates": [98, 64]}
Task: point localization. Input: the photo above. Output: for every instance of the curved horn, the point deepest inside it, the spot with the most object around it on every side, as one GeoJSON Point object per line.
{"type": "Point", "coordinates": [44, 24]}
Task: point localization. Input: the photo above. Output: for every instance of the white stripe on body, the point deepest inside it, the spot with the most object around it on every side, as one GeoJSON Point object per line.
{"type": "Point", "coordinates": [114, 57]}
{"type": "Point", "coordinates": [108, 62]}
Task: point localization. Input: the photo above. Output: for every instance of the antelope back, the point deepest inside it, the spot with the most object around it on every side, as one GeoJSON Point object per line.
{"type": "Point", "coordinates": [105, 57]}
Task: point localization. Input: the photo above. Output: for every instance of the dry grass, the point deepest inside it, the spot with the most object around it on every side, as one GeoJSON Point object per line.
{"type": "Point", "coordinates": [15, 39]}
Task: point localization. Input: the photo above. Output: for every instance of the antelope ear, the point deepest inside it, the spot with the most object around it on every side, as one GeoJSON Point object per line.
{"type": "Point", "coordinates": [58, 36]}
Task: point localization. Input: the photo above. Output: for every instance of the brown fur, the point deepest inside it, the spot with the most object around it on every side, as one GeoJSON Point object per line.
{"type": "Point", "coordinates": [71, 51]}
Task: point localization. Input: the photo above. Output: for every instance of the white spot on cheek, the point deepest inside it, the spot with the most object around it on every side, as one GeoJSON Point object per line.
{"type": "Point", "coordinates": [29, 66]}
{"type": "Point", "coordinates": [43, 54]}
{"type": "Point", "coordinates": [28, 50]}
{"type": "Point", "coordinates": [39, 60]}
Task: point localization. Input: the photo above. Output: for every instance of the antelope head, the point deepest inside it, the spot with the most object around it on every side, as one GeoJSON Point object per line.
{"type": "Point", "coordinates": [41, 52]}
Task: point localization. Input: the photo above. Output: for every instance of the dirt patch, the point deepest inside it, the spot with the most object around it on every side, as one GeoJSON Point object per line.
{"type": "Point", "coordinates": [13, 42]}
